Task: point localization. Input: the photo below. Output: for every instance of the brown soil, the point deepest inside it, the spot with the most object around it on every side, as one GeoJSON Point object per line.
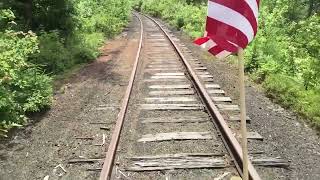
{"type": "Point", "coordinates": [92, 95]}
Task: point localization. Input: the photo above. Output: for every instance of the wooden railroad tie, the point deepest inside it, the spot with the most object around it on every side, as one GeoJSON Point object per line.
{"type": "Point", "coordinates": [167, 92]}
{"type": "Point", "coordinates": [179, 86]}
{"type": "Point", "coordinates": [176, 161]}
{"type": "Point", "coordinates": [176, 120]}
{"type": "Point", "coordinates": [166, 80]}
{"type": "Point", "coordinates": [171, 99]}
{"type": "Point", "coordinates": [172, 107]}
{"type": "Point", "coordinates": [176, 136]}
{"type": "Point", "coordinates": [214, 86]}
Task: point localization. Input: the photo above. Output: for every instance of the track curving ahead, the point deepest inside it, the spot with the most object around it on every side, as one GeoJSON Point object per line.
{"type": "Point", "coordinates": [230, 142]}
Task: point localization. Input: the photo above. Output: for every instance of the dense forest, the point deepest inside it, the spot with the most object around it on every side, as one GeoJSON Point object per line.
{"type": "Point", "coordinates": [40, 39]}
{"type": "Point", "coordinates": [285, 55]}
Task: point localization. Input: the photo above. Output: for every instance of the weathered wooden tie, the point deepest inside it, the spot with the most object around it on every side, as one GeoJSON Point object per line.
{"type": "Point", "coordinates": [227, 107]}
{"type": "Point", "coordinates": [215, 91]}
{"type": "Point", "coordinates": [171, 99]}
{"type": "Point", "coordinates": [179, 86]}
{"type": "Point", "coordinates": [221, 99]}
{"type": "Point", "coordinates": [169, 74]}
{"type": "Point", "coordinates": [168, 77]}
{"type": "Point", "coordinates": [253, 136]}
{"type": "Point", "coordinates": [237, 118]}
{"type": "Point", "coordinates": [176, 120]}
{"type": "Point", "coordinates": [178, 92]}
{"type": "Point", "coordinates": [205, 76]}
{"type": "Point", "coordinates": [163, 64]}
{"type": "Point", "coordinates": [172, 106]}
{"type": "Point", "coordinates": [214, 86]}
{"type": "Point", "coordinates": [203, 73]}
{"type": "Point", "coordinates": [270, 162]}
{"type": "Point", "coordinates": [166, 80]}
{"type": "Point", "coordinates": [175, 161]}
{"type": "Point", "coordinates": [176, 136]}
{"type": "Point", "coordinates": [200, 68]}
{"type": "Point", "coordinates": [162, 69]}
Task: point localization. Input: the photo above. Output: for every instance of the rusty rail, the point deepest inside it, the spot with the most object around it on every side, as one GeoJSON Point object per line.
{"type": "Point", "coordinates": [229, 139]}
{"type": "Point", "coordinates": [108, 162]}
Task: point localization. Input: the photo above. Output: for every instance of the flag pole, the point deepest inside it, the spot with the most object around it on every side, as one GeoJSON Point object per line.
{"type": "Point", "coordinates": [243, 116]}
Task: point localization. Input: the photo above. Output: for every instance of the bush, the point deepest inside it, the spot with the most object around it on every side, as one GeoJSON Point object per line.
{"type": "Point", "coordinates": [69, 33]}
{"type": "Point", "coordinates": [85, 47]}
{"type": "Point", "coordinates": [22, 87]}
{"type": "Point", "coordinates": [56, 55]}
{"type": "Point", "coordinates": [138, 5]}
{"type": "Point", "coordinates": [309, 105]}
{"type": "Point", "coordinates": [187, 17]}
{"type": "Point", "coordinates": [32, 90]}
{"type": "Point", "coordinates": [292, 94]}
{"type": "Point", "coordinates": [282, 88]}
{"type": "Point", "coordinates": [92, 23]}
{"type": "Point", "coordinates": [107, 17]}
{"type": "Point", "coordinates": [52, 56]}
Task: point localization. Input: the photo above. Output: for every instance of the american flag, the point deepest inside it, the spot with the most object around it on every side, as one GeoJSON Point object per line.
{"type": "Point", "coordinates": [230, 24]}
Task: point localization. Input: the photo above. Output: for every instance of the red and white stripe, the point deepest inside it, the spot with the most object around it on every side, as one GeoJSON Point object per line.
{"type": "Point", "coordinates": [230, 24]}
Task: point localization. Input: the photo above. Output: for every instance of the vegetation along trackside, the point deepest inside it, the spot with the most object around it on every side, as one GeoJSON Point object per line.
{"type": "Point", "coordinates": [40, 39]}
{"type": "Point", "coordinates": [285, 55]}
{"type": "Point", "coordinates": [43, 38]}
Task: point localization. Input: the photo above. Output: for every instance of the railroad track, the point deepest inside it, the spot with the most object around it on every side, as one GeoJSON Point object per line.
{"type": "Point", "coordinates": [175, 124]}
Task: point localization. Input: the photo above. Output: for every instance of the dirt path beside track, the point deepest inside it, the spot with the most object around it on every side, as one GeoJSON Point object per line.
{"type": "Point", "coordinates": [92, 95]}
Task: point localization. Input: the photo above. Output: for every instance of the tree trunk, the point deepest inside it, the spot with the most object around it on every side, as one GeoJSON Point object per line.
{"type": "Point", "coordinates": [28, 12]}
{"type": "Point", "coordinates": [311, 6]}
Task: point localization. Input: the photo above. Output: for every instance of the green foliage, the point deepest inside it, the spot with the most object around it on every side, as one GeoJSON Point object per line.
{"type": "Point", "coordinates": [284, 89]}
{"type": "Point", "coordinates": [107, 16]}
{"type": "Point", "coordinates": [67, 32]}
{"type": "Point", "coordinates": [44, 15]}
{"type": "Point", "coordinates": [52, 56]}
{"type": "Point", "coordinates": [137, 5]}
{"type": "Point", "coordinates": [6, 16]}
{"type": "Point", "coordinates": [92, 22]}
{"type": "Point", "coordinates": [292, 94]}
{"type": "Point", "coordinates": [189, 18]}
{"type": "Point", "coordinates": [85, 47]}
{"type": "Point", "coordinates": [23, 88]}
{"type": "Point", "coordinates": [285, 55]}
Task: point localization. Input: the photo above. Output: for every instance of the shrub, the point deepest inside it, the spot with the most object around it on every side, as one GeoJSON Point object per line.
{"type": "Point", "coordinates": [69, 32]}
{"type": "Point", "coordinates": [53, 56]}
{"type": "Point", "coordinates": [138, 5]}
{"type": "Point", "coordinates": [292, 94]}
{"type": "Point", "coordinates": [283, 88]}
{"type": "Point", "coordinates": [189, 18]}
{"type": "Point", "coordinates": [84, 46]}
{"type": "Point", "coordinates": [22, 87]}
{"type": "Point", "coordinates": [32, 90]}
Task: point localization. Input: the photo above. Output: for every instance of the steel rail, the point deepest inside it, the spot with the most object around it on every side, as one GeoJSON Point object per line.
{"type": "Point", "coordinates": [229, 139]}
{"type": "Point", "coordinates": [110, 155]}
